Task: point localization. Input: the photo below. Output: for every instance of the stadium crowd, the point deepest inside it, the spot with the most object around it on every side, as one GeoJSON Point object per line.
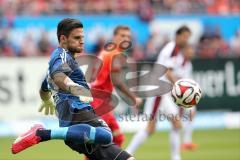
{"type": "Point", "coordinates": [42, 7]}
{"type": "Point", "coordinates": [210, 44]}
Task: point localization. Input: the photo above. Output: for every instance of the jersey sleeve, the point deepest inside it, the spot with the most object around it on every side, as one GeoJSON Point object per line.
{"type": "Point", "coordinates": [45, 86]}
{"type": "Point", "coordinates": [59, 65]}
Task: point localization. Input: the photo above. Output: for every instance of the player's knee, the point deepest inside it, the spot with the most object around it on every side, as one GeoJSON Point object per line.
{"type": "Point", "coordinates": [176, 124]}
{"type": "Point", "coordinates": [150, 130]}
{"type": "Point", "coordinates": [103, 136]}
{"type": "Point", "coordinates": [151, 127]}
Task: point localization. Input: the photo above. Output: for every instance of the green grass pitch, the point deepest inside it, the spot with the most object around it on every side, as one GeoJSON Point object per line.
{"type": "Point", "coordinates": [212, 145]}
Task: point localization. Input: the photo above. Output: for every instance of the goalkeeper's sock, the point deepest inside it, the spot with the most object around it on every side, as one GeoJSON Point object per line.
{"type": "Point", "coordinates": [44, 134]}
{"type": "Point", "coordinates": [82, 133]}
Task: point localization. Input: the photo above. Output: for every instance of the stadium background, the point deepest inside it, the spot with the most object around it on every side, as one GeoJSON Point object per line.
{"type": "Point", "coordinates": [28, 34]}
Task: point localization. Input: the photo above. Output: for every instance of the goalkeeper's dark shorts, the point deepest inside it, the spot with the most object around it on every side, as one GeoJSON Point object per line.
{"type": "Point", "coordinates": [93, 151]}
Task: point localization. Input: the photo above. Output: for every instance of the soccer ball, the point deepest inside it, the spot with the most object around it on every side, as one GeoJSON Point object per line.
{"type": "Point", "coordinates": [186, 93]}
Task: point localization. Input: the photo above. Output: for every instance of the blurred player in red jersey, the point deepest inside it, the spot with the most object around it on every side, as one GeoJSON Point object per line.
{"type": "Point", "coordinates": [112, 64]}
{"type": "Point", "coordinates": [109, 76]}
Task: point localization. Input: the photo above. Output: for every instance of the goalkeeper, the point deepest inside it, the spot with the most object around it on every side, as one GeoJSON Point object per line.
{"type": "Point", "coordinates": [80, 128]}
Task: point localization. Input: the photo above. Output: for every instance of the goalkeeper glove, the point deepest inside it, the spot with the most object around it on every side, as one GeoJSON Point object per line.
{"type": "Point", "coordinates": [48, 107]}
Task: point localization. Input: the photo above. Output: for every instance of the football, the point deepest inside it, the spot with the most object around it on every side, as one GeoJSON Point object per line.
{"type": "Point", "coordinates": [186, 93]}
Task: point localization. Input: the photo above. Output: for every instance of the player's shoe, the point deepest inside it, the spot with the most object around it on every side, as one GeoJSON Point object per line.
{"type": "Point", "coordinates": [189, 147]}
{"type": "Point", "coordinates": [27, 139]}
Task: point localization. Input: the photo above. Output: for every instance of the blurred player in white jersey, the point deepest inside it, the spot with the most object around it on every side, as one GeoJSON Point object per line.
{"type": "Point", "coordinates": [173, 58]}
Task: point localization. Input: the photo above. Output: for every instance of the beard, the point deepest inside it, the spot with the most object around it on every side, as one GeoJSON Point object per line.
{"type": "Point", "coordinates": [74, 50]}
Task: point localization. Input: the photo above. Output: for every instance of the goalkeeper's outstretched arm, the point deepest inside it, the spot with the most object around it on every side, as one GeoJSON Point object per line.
{"type": "Point", "coordinates": [67, 85]}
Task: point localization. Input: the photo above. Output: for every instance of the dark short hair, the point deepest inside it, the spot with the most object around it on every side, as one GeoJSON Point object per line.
{"type": "Point", "coordinates": [120, 27]}
{"type": "Point", "coordinates": [66, 25]}
{"type": "Point", "coordinates": [183, 29]}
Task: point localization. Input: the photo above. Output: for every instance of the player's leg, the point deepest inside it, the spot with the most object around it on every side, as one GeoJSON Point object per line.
{"type": "Point", "coordinates": [175, 139]}
{"type": "Point", "coordinates": [140, 137]}
{"type": "Point", "coordinates": [111, 152]}
{"type": "Point", "coordinates": [81, 133]}
{"type": "Point", "coordinates": [188, 129]}
{"type": "Point", "coordinates": [98, 151]}
{"type": "Point", "coordinates": [171, 111]}
{"type": "Point", "coordinates": [80, 118]}
{"type": "Point", "coordinates": [151, 108]}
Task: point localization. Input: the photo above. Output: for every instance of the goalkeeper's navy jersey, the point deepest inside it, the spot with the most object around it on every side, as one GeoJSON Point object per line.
{"type": "Point", "coordinates": [62, 61]}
